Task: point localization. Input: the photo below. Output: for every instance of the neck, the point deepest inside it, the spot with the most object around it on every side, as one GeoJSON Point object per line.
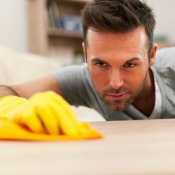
{"type": "Point", "coordinates": [146, 100]}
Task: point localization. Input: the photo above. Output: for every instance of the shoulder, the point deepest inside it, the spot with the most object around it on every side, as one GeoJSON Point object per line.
{"type": "Point", "coordinates": [165, 58]}
{"type": "Point", "coordinates": [164, 68]}
{"type": "Point", "coordinates": [70, 71]}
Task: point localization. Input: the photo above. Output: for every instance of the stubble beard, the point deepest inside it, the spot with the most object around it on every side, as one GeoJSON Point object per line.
{"type": "Point", "coordinates": [121, 105]}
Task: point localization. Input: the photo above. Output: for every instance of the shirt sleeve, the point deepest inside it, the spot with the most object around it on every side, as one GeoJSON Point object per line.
{"type": "Point", "coordinates": [73, 81]}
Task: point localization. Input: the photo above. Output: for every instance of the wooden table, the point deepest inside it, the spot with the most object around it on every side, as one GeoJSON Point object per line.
{"type": "Point", "coordinates": [128, 148]}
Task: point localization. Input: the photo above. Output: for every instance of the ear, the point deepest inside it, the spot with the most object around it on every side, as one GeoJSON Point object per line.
{"type": "Point", "coordinates": [84, 51]}
{"type": "Point", "coordinates": [153, 54]}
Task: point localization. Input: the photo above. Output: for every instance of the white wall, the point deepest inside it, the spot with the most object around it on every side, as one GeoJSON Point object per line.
{"type": "Point", "coordinates": [14, 21]}
{"type": "Point", "coordinates": [165, 12]}
{"type": "Point", "coordinates": [13, 24]}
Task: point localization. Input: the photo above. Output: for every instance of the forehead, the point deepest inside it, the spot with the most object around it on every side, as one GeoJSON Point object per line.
{"type": "Point", "coordinates": [104, 42]}
{"type": "Point", "coordinates": [133, 34]}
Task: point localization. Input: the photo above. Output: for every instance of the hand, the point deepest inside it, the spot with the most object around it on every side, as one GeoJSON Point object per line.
{"type": "Point", "coordinates": [45, 112]}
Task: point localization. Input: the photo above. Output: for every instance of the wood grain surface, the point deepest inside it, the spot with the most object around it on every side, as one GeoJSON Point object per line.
{"type": "Point", "coordinates": [143, 147]}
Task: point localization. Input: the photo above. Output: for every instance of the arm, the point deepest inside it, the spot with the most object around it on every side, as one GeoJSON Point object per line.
{"type": "Point", "coordinates": [45, 112]}
{"type": "Point", "coordinates": [26, 90]}
{"type": "Point", "coordinates": [7, 90]}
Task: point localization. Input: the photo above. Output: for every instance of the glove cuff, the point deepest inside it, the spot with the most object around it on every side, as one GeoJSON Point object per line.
{"type": "Point", "coordinates": [10, 103]}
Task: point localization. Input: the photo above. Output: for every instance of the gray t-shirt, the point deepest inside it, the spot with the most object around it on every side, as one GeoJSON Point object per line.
{"type": "Point", "coordinates": [78, 89]}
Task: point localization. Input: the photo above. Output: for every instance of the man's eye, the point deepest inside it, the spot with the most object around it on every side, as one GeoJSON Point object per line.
{"type": "Point", "coordinates": [101, 64]}
{"type": "Point", "coordinates": [129, 64]}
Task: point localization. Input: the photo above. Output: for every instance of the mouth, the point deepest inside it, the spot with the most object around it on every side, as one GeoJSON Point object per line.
{"type": "Point", "coordinates": [117, 97]}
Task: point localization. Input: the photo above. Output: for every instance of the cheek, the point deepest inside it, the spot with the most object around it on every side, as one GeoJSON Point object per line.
{"type": "Point", "coordinates": [134, 81]}
{"type": "Point", "coordinates": [99, 78]}
{"type": "Point", "coordinates": [136, 78]}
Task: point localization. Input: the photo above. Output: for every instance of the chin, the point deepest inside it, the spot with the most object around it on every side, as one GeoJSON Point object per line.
{"type": "Point", "coordinates": [117, 106]}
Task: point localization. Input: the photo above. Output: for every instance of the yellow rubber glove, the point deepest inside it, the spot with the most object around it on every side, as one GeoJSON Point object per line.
{"type": "Point", "coordinates": [44, 112]}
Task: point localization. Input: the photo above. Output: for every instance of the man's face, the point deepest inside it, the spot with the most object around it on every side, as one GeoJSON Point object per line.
{"type": "Point", "coordinates": [118, 65]}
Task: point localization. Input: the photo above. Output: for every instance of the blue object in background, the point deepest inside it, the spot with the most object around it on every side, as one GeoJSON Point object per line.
{"type": "Point", "coordinates": [71, 23]}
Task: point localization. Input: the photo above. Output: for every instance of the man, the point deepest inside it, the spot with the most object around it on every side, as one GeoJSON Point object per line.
{"type": "Point", "coordinates": [118, 79]}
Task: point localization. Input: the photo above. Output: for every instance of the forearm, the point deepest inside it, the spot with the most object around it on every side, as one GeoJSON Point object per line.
{"type": "Point", "coordinates": [7, 90]}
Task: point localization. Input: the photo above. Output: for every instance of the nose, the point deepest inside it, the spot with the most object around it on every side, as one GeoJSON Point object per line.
{"type": "Point", "coordinates": [116, 79]}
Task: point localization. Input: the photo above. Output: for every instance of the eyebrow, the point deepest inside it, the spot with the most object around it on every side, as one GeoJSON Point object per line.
{"type": "Point", "coordinates": [97, 60]}
{"type": "Point", "coordinates": [133, 59]}
{"type": "Point", "coordinates": [100, 60]}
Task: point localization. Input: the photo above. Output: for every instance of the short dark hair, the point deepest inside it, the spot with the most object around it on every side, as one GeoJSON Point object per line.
{"type": "Point", "coordinates": [118, 16]}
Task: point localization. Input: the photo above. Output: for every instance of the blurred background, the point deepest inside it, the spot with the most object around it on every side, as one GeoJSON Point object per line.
{"type": "Point", "coordinates": [52, 28]}
{"type": "Point", "coordinates": [40, 36]}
